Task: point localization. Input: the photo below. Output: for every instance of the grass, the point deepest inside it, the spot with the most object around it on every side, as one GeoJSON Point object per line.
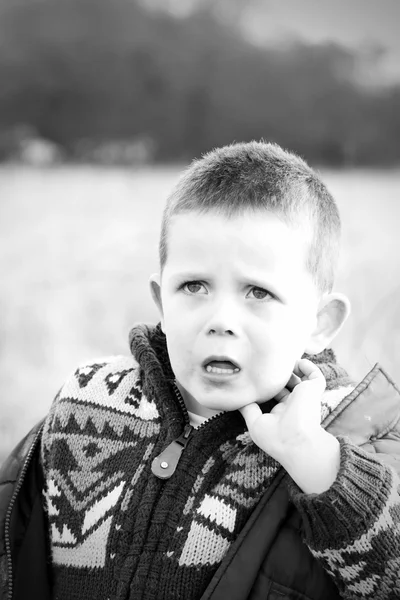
{"type": "Point", "coordinates": [77, 246]}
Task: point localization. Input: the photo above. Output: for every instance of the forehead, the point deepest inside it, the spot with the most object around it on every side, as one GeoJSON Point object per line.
{"type": "Point", "coordinates": [253, 241]}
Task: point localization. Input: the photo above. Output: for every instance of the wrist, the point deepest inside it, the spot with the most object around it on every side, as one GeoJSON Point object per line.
{"type": "Point", "coordinates": [314, 463]}
{"type": "Point", "coordinates": [353, 505]}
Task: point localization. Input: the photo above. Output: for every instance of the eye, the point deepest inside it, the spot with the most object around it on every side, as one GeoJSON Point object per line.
{"type": "Point", "coordinates": [193, 287]}
{"type": "Point", "coordinates": [260, 293]}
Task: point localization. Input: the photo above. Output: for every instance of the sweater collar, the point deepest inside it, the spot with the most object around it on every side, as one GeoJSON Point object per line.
{"type": "Point", "coordinates": [148, 345]}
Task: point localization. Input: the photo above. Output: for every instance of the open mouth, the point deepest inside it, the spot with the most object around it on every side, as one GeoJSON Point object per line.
{"type": "Point", "coordinates": [221, 366]}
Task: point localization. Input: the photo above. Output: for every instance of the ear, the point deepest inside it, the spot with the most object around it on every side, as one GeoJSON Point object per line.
{"type": "Point", "coordinates": [155, 289]}
{"type": "Point", "coordinates": [333, 311]}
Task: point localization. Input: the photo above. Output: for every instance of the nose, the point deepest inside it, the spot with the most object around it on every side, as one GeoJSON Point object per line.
{"type": "Point", "coordinates": [223, 320]}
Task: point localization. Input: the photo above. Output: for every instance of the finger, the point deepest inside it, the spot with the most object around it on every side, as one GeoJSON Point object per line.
{"type": "Point", "coordinates": [251, 412]}
{"type": "Point", "coordinates": [279, 408]}
{"type": "Point", "coordinates": [312, 376]}
{"type": "Point", "coordinates": [305, 369]}
{"type": "Point", "coordinates": [282, 395]}
{"type": "Point", "coordinates": [293, 381]}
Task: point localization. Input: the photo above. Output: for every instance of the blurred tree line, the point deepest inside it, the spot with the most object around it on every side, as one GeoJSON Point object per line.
{"type": "Point", "coordinates": [81, 72]}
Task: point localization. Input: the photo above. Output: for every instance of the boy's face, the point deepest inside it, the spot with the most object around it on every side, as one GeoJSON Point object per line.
{"type": "Point", "coordinates": [235, 289]}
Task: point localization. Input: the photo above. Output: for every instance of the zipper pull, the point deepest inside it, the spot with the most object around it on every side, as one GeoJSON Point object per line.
{"type": "Point", "coordinates": [164, 465]}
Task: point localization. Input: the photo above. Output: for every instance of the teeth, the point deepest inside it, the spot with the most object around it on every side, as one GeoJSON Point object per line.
{"type": "Point", "coordinates": [211, 369]}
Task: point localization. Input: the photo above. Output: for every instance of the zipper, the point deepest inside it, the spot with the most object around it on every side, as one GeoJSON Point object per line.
{"type": "Point", "coordinates": [185, 412]}
{"type": "Point", "coordinates": [11, 506]}
{"type": "Point", "coordinates": [165, 464]}
{"type": "Point", "coordinates": [181, 403]}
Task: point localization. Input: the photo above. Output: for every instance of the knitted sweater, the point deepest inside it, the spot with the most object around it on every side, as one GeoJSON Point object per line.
{"type": "Point", "coordinates": [123, 527]}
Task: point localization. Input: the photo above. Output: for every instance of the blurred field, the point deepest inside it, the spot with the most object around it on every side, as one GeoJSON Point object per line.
{"type": "Point", "coordinates": [77, 246]}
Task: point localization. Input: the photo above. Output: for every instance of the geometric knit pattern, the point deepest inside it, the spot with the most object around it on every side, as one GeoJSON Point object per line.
{"type": "Point", "coordinates": [84, 427]}
{"type": "Point", "coordinates": [95, 423]}
{"type": "Point", "coordinates": [99, 439]}
{"type": "Point", "coordinates": [118, 531]}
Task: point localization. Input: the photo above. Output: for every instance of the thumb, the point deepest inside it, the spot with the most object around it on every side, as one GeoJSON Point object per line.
{"type": "Point", "coordinates": [251, 412]}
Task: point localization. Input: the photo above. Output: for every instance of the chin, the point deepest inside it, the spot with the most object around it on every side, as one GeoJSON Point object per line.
{"type": "Point", "coordinates": [227, 405]}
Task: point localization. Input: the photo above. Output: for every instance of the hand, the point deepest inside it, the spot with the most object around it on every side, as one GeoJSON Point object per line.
{"type": "Point", "coordinates": [292, 433]}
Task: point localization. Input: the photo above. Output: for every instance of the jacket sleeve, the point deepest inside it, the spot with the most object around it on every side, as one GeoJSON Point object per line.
{"type": "Point", "coordinates": [353, 528]}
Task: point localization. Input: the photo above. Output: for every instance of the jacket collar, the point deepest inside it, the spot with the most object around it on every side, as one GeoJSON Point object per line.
{"type": "Point", "coordinates": [370, 412]}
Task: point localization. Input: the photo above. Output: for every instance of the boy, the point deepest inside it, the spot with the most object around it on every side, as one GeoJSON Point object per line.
{"type": "Point", "coordinates": [222, 460]}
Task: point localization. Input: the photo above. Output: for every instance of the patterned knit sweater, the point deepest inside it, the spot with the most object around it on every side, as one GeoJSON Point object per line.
{"type": "Point", "coordinates": [118, 531]}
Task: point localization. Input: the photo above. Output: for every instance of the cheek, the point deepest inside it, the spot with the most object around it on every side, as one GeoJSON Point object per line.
{"type": "Point", "coordinates": [284, 342]}
{"type": "Point", "coordinates": [175, 357]}
{"type": "Point", "coordinates": [179, 345]}
{"type": "Point", "coordinates": [298, 324]}
{"type": "Point", "coordinates": [176, 311]}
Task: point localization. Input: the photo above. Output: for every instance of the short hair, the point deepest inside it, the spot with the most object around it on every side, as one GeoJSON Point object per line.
{"type": "Point", "coordinates": [256, 176]}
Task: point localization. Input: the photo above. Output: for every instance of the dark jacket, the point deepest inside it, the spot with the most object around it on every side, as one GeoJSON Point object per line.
{"type": "Point", "coordinates": [268, 561]}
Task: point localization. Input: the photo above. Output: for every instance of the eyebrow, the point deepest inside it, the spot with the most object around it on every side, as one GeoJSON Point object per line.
{"type": "Point", "coordinates": [180, 275]}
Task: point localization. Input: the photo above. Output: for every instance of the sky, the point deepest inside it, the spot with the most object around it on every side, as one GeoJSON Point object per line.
{"type": "Point", "coordinates": [353, 23]}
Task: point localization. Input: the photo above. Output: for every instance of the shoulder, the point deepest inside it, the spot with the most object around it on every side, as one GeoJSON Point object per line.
{"type": "Point", "coordinates": [101, 400]}
{"type": "Point", "coordinates": [103, 381]}
{"type": "Point", "coordinates": [105, 388]}
{"type": "Point", "coordinates": [377, 397]}
{"type": "Point", "coordinates": [10, 469]}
